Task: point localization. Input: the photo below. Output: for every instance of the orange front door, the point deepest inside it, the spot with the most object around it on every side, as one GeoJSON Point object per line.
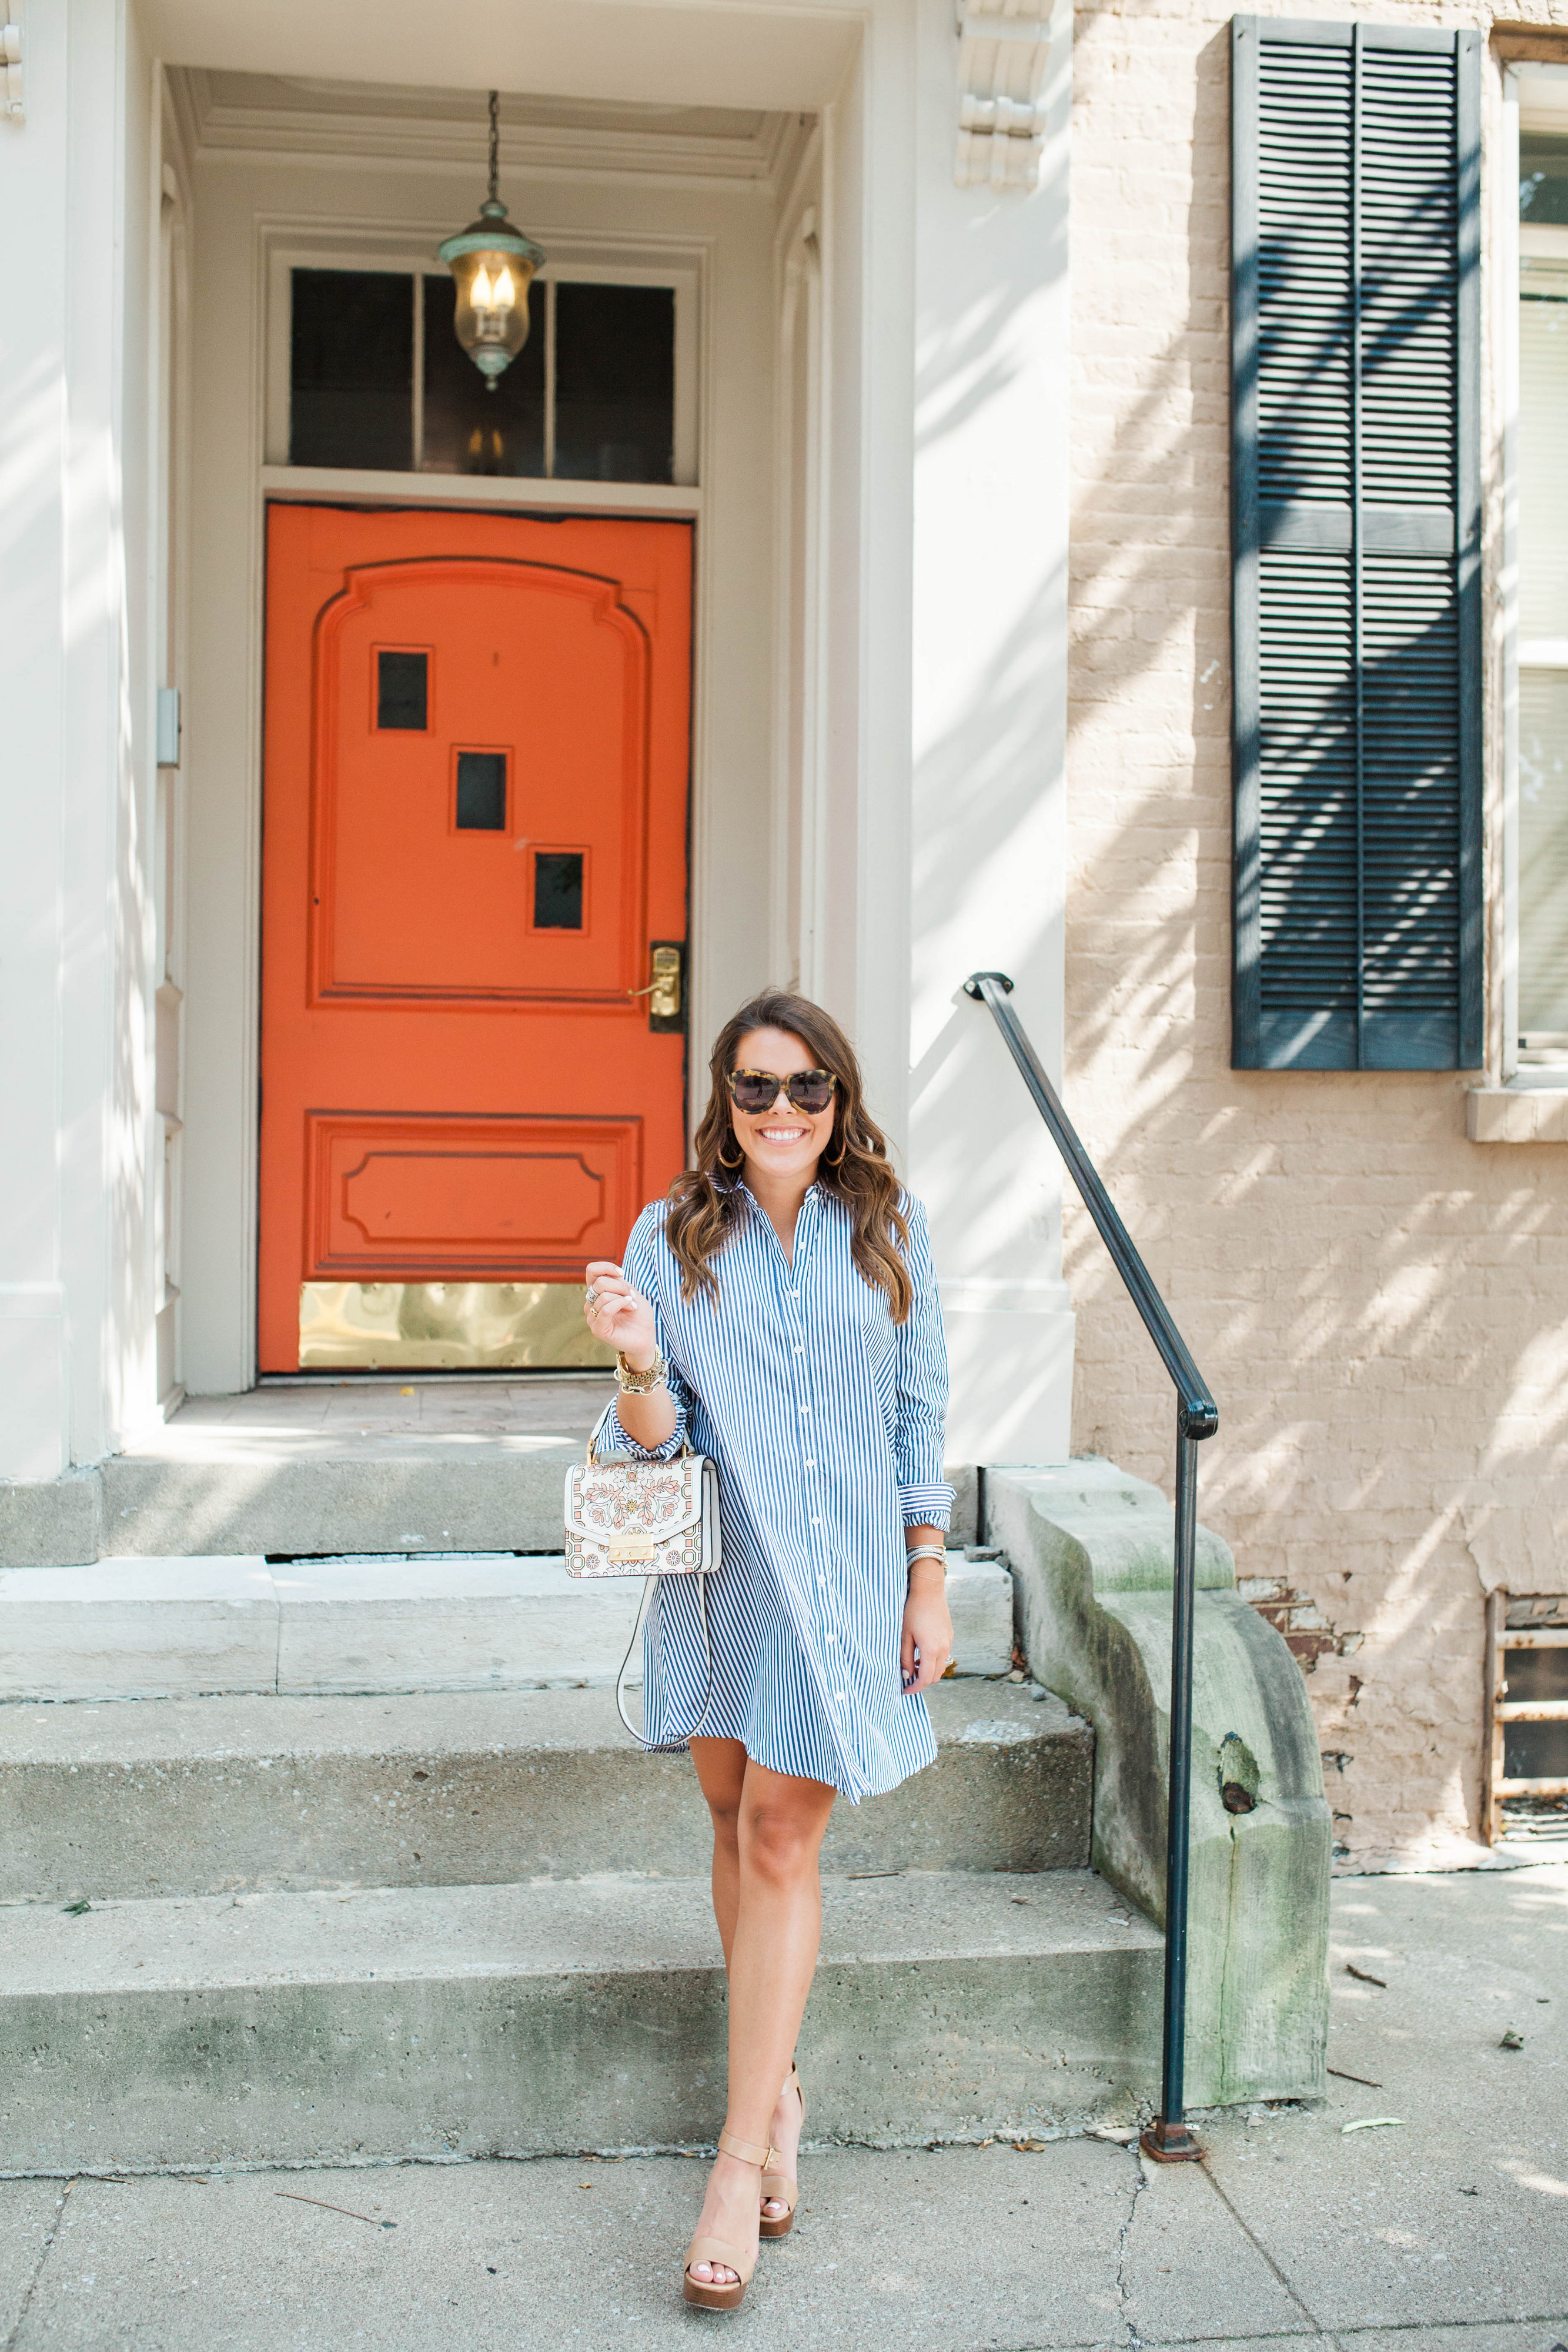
{"type": "Point", "coordinates": [475, 829]}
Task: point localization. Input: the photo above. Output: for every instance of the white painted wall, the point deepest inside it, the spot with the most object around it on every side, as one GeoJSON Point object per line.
{"type": "Point", "coordinates": [35, 178]}
{"type": "Point", "coordinates": [988, 704]}
{"type": "Point", "coordinates": [945, 687]}
{"type": "Point", "coordinates": [75, 1330]}
{"type": "Point", "coordinates": [130, 1372]}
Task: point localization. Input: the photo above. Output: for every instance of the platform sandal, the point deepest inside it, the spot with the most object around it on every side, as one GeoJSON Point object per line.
{"type": "Point", "coordinates": [708, 2296]}
{"type": "Point", "coordinates": [778, 2188]}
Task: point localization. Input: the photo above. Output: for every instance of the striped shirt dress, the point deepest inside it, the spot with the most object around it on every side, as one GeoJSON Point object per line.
{"type": "Point", "coordinates": [823, 1418]}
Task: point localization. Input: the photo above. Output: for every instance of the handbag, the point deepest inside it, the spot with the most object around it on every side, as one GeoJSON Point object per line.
{"type": "Point", "coordinates": [626, 1517]}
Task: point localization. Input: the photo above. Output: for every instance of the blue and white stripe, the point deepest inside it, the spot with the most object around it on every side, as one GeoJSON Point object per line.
{"type": "Point", "coordinates": [824, 1419]}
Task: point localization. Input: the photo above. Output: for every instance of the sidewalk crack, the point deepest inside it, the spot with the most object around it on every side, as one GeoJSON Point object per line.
{"type": "Point", "coordinates": [1124, 2237]}
{"type": "Point", "coordinates": [15, 2338]}
{"type": "Point", "coordinates": [1325, 2334]}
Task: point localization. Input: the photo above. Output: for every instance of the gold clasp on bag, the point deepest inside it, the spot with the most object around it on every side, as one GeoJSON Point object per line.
{"type": "Point", "coordinates": [633, 1546]}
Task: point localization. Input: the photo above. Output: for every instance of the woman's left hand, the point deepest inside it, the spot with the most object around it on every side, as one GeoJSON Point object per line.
{"type": "Point", "coordinates": [927, 1646]}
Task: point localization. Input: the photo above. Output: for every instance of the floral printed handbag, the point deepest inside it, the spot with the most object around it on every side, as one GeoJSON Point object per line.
{"type": "Point", "coordinates": [627, 1518]}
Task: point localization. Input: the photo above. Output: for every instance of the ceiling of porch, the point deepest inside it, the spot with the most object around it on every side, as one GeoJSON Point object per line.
{"type": "Point", "coordinates": [243, 116]}
{"type": "Point", "coordinates": [726, 55]}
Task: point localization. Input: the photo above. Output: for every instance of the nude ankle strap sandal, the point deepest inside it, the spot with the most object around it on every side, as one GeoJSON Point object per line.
{"type": "Point", "coordinates": [778, 2187]}
{"type": "Point", "coordinates": [714, 2250]}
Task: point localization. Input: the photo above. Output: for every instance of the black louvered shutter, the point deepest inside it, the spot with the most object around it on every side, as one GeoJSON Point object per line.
{"type": "Point", "coordinates": [1355, 448]}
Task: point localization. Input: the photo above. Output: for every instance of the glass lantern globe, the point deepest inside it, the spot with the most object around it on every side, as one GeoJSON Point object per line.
{"type": "Point", "coordinates": [493, 265]}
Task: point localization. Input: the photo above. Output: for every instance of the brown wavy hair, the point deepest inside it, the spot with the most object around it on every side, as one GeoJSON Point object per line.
{"type": "Point", "coordinates": [705, 1203]}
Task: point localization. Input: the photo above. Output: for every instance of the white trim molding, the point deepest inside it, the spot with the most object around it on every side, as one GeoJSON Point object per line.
{"type": "Point", "coordinates": [249, 118]}
{"type": "Point", "coordinates": [1531, 1103]}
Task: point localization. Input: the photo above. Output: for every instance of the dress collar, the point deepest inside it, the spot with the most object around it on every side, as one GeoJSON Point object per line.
{"type": "Point", "coordinates": [813, 1193]}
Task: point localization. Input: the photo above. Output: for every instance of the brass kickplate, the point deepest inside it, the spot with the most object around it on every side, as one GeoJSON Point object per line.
{"type": "Point", "coordinates": [446, 1326]}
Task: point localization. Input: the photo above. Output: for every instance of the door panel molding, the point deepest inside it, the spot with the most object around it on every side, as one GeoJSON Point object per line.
{"type": "Point", "coordinates": [509, 1198]}
{"type": "Point", "coordinates": [603, 599]}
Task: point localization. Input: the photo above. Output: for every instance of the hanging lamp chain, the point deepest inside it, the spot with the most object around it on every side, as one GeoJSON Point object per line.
{"type": "Point", "coordinates": [495, 141]}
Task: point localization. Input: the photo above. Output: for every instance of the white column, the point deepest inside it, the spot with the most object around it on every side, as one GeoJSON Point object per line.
{"type": "Point", "coordinates": [34, 269]}
{"type": "Point", "coordinates": [989, 674]}
{"type": "Point", "coordinates": [72, 1152]}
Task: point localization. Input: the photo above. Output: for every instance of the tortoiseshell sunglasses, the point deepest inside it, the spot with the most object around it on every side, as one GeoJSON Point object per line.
{"type": "Point", "coordinates": [754, 1091]}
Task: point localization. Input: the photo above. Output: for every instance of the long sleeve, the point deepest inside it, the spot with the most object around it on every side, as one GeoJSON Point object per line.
{"type": "Point", "coordinates": [925, 1500]}
{"type": "Point", "coordinates": [641, 1267]}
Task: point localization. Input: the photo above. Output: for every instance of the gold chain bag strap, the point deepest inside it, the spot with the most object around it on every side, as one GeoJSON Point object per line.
{"type": "Point", "coordinates": [627, 1518]}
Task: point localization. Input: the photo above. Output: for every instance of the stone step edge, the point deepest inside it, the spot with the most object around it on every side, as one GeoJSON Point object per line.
{"type": "Point", "coordinates": [522, 2020]}
{"type": "Point", "coordinates": [611, 1925]}
{"type": "Point", "coordinates": [1026, 2137]}
{"type": "Point", "coordinates": [190, 1797]}
{"type": "Point", "coordinates": [212, 1488]}
{"type": "Point", "coordinates": [421, 1727]}
{"type": "Point", "coordinates": [177, 1627]}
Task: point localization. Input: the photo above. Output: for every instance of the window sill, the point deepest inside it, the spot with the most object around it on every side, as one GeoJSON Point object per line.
{"type": "Point", "coordinates": [1532, 1113]}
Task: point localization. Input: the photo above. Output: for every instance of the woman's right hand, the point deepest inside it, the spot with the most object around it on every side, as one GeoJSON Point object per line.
{"type": "Point", "coordinates": [618, 1315]}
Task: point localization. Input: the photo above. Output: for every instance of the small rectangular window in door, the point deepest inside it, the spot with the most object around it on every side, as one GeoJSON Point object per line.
{"type": "Point", "coordinates": [403, 690]}
{"type": "Point", "coordinates": [481, 792]}
{"type": "Point", "coordinates": [558, 890]}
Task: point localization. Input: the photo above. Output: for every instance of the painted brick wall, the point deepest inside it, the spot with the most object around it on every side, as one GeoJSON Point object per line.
{"type": "Point", "coordinates": [1380, 1305]}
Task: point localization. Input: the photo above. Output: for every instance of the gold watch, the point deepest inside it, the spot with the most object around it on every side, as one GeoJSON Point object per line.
{"type": "Point", "coordinates": [635, 1383]}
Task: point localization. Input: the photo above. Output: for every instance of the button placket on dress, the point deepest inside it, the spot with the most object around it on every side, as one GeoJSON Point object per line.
{"type": "Point", "coordinates": [827, 1640]}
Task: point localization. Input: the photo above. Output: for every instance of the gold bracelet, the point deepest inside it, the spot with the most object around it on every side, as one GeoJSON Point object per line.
{"type": "Point", "coordinates": [635, 1383]}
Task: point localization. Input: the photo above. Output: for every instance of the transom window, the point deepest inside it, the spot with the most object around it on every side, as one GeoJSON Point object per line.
{"type": "Point", "coordinates": [377, 380]}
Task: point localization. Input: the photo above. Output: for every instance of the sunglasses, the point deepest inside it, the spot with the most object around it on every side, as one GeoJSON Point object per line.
{"type": "Point", "coordinates": [754, 1091]}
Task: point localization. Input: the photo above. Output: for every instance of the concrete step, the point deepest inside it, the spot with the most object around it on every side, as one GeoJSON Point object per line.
{"type": "Point", "coordinates": [183, 1626]}
{"type": "Point", "coordinates": [181, 1797]}
{"type": "Point", "coordinates": [213, 1491]}
{"type": "Point", "coordinates": [332, 1466]}
{"type": "Point", "coordinates": [432, 2022]}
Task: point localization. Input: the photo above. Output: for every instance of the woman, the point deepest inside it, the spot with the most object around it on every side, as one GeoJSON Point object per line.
{"type": "Point", "coordinates": [778, 1313]}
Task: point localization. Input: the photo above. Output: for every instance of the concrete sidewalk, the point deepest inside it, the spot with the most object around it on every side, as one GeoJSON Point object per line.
{"type": "Point", "coordinates": [1448, 2230]}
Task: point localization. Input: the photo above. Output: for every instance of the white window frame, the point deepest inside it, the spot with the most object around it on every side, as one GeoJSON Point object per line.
{"type": "Point", "coordinates": [573, 260]}
{"type": "Point", "coordinates": [1536, 95]}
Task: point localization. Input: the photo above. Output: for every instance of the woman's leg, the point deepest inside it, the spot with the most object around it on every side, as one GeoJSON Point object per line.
{"type": "Point", "coordinates": [772, 1955]}
{"type": "Point", "coordinates": [721, 1776]}
{"type": "Point", "coordinates": [721, 1765]}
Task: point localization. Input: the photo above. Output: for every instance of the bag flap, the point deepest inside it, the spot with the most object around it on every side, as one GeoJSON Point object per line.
{"type": "Point", "coordinates": [655, 1499]}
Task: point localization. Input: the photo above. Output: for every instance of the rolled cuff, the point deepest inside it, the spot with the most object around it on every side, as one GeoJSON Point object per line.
{"type": "Point", "coordinates": [609, 1437]}
{"type": "Point", "coordinates": [926, 1506]}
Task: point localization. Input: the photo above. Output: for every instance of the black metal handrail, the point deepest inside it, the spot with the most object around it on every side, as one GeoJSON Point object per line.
{"type": "Point", "coordinates": [1168, 2138]}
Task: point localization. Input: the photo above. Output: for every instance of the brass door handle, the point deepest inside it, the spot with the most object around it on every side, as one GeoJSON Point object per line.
{"type": "Point", "coordinates": [664, 990]}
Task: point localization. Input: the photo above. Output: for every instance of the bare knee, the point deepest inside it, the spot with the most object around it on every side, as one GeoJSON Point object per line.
{"type": "Point", "coordinates": [721, 1776]}
{"type": "Point", "coordinates": [724, 1810]}
{"type": "Point", "coordinates": [778, 1843]}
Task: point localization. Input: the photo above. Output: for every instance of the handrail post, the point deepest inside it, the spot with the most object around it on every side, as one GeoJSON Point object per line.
{"type": "Point", "coordinates": [1168, 2139]}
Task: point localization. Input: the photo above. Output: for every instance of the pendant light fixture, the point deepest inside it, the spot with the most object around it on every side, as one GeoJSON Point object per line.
{"type": "Point", "coordinates": [493, 265]}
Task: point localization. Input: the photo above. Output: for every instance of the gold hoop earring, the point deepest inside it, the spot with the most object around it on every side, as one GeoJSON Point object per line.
{"type": "Point", "coordinates": [738, 1162]}
{"type": "Point", "coordinates": [843, 1147]}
